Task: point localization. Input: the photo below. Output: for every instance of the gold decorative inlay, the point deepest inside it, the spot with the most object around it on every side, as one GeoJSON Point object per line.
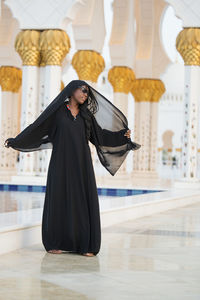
{"type": "Point", "coordinates": [10, 78]}
{"type": "Point", "coordinates": [88, 64]}
{"type": "Point", "coordinates": [62, 85]}
{"type": "Point", "coordinates": [54, 44]}
{"type": "Point", "coordinates": [27, 45]}
{"type": "Point", "coordinates": [188, 45]}
{"type": "Point", "coordinates": [121, 78]}
{"type": "Point", "coordinates": [147, 89]}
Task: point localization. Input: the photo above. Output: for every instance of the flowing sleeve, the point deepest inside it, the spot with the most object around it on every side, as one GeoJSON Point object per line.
{"type": "Point", "coordinates": [112, 146]}
{"type": "Point", "coordinates": [106, 137]}
{"type": "Point", "coordinates": [34, 137]}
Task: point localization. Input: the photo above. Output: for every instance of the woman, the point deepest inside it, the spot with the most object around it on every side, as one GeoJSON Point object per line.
{"type": "Point", "coordinates": [71, 217]}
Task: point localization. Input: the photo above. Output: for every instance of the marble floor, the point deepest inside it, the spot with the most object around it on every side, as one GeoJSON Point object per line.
{"type": "Point", "coordinates": [151, 258]}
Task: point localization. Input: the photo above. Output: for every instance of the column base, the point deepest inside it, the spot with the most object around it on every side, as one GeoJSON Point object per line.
{"type": "Point", "coordinates": [145, 174]}
{"type": "Point", "coordinates": [137, 180]}
{"type": "Point", "coordinates": [137, 175]}
{"type": "Point", "coordinates": [6, 175]}
{"type": "Point", "coordinates": [187, 183]}
{"type": "Point", "coordinates": [28, 179]}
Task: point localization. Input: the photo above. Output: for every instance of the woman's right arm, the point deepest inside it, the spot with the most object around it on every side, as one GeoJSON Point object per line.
{"type": "Point", "coordinates": [28, 136]}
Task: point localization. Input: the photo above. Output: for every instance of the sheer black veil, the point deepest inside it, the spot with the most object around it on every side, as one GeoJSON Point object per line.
{"type": "Point", "coordinates": [105, 128]}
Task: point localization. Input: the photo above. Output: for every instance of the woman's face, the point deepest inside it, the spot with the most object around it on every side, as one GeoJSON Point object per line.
{"type": "Point", "coordinates": [81, 94]}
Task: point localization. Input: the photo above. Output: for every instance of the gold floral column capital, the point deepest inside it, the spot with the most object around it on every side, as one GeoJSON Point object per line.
{"type": "Point", "coordinates": [188, 45]}
{"type": "Point", "coordinates": [54, 44]}
{"type": "Point", "coordinates": [121, 78]}
{"type": "Point", "coordinates": [62, 85]}
{"type": "Point", "coordinates": [10, 78]}
{"type": "Point", "coordinates": [27, 45]}
{"type": "Point", "coordinates": [88, 64]}
{"type": "Point", "coordinates": [147, 89]}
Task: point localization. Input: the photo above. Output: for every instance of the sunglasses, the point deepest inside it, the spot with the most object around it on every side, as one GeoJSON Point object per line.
{"type": "Point", "coordinates": [84, 90]}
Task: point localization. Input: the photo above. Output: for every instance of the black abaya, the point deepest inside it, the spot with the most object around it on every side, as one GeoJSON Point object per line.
{"type": "Point", "coordinates": [71, 217]}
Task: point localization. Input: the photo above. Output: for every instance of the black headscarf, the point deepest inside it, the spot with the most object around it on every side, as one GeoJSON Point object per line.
{"type": "Point", "coordinates": [105, 128]}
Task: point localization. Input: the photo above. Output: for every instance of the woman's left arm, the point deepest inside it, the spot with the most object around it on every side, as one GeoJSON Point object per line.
{"type": "Point", "coordinates": [113, 138]}
{"type": "Point", "coordinates": [108, 138]}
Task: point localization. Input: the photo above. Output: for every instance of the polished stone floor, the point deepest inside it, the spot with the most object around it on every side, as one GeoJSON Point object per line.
{"type": "Point", "coordinates": [151, 258]}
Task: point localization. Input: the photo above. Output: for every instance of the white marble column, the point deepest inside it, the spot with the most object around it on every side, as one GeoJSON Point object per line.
{"type": "Point", "coordinates": [89, 34]}
{"type": "Point", "coordinates": [10, 81]}
{"type": "Point", "coordinates": [147, 93]}
{"type": "Point", "coordinates": [88, 65]}
{"type": "Point", "coordinates": [191, 123]}
{"type": "Point", "coordinates": [39, 163]}
{"type": "Point", "coordinates": [27, 45]}
{"type": "Point", "coordinates": [188, 45]}
{"type": "Point", "coordinates": [121, 79]}
{"type": "Point", "coordinates": [158, 90]}
{"type": "Point", "coordinates": [53, 45]}
{"type": "Point", "coordinates": [122, 46]}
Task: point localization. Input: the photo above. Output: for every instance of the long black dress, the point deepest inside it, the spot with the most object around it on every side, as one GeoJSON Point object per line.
{"type": "Point", "coordinates": [71, 217]}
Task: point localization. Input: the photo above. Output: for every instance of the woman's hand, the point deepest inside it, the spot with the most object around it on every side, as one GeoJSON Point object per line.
{"type": "Point", "coordinates": [6, 143]}
{"type": "Point", "coordinates": [128, 133]}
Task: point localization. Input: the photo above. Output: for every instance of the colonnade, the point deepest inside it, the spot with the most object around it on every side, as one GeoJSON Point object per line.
{"type": "Point", "coordinates": [42, 53]}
